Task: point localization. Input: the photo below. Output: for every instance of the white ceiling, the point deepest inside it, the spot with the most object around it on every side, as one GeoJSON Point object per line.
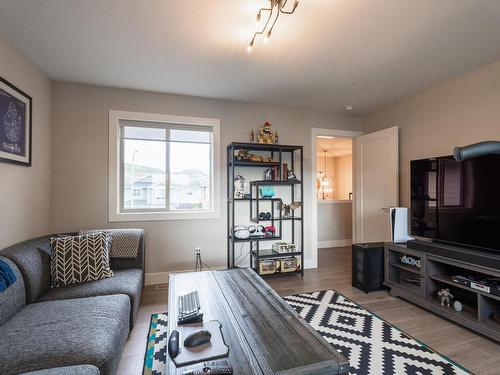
{"type": "Point", "coordinates": [328, 54]}
{"type": "Point", "coordinates": [333, 146]}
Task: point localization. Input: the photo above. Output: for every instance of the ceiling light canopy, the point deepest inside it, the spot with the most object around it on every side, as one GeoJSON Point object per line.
{"type": "Point", "coordinates": [276, 7]}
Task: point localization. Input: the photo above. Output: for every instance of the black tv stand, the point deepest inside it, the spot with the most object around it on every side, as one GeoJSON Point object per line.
{"type": "Point", "coordinates": [431, 268]}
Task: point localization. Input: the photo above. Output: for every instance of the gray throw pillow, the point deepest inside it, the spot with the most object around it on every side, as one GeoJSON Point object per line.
{"type": "Point", "coordinates": [80, 259]}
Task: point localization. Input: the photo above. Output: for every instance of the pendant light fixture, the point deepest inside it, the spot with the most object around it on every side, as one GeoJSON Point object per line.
{"type": "Point", "coordinates": [276, 7]}
{"type": "Point", "coordinates": [324, 183]}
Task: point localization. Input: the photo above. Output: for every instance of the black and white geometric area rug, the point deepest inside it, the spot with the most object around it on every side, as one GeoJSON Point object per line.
{"type": "Point", "coordinates": [372, 345]}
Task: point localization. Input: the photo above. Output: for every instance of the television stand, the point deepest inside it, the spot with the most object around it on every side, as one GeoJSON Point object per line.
{"type": "Point", "coordinates": [418, 277]}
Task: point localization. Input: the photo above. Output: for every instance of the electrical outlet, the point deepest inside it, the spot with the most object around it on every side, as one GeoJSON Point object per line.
{"type": "Point", "coordinates": [197, 251]}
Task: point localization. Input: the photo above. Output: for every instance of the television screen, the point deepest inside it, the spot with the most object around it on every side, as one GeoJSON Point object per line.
{"type": "Point", "coordinates": [457, 202]}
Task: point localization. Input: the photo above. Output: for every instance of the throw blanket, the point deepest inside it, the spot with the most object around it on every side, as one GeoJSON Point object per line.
{"type": "Point", "coordinates": [7, 276]}
{"type": "Point", "coordinates": [124, 242]}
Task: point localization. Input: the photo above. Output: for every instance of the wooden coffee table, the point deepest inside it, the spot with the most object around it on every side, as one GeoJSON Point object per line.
{"type": "Point", "coordinates": [264, 334]}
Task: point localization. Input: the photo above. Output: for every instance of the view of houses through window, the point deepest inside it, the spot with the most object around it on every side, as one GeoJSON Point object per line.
{"type": "Point", "coordinates": [166, 168]}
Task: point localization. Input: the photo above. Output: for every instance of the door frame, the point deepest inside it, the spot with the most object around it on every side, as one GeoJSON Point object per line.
{"type": "Point", "coordinates": [313, 201]}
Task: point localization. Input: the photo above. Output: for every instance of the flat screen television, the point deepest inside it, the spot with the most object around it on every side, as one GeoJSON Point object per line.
{"type": "Point", "coordinates": [457, 202]}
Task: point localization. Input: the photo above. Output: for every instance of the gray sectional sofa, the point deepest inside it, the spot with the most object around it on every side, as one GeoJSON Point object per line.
{"type": "Point", "coordinates": [80, 328]}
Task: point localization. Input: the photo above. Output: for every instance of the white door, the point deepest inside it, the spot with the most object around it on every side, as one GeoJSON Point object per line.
{"type": "Point", "coordinates": [376, 184]}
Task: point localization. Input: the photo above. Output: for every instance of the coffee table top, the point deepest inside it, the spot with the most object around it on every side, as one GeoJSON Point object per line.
{"type": "Point", "coordinates": [264, 334]}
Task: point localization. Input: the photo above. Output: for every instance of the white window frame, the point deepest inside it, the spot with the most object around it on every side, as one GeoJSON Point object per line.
{"type": "Point", "coordinates": [114, 211]}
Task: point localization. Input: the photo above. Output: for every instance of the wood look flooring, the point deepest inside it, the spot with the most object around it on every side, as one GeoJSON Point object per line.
{"type": "Point", "coordinates": [478, 354]}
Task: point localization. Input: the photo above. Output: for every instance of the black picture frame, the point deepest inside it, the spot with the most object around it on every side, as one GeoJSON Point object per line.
{"type": "Point", "coordinates": [15, 127]}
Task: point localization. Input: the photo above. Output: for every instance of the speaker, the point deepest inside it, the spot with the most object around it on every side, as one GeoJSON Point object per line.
{"type": "Point", "coordinates": [368, 266]}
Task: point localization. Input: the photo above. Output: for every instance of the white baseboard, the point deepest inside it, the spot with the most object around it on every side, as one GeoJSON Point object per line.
{"type": "Point", "coordinates": [156, 278]}
{"type": "Point", "coordinates": [334, 243]}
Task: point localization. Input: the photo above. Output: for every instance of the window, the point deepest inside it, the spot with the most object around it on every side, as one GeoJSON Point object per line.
{"type": "Point", "coordinates": [163, 167]}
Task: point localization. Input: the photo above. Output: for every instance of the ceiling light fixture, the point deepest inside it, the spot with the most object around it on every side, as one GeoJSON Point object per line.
{"type": "Point", "coordinates": [325, 136]}
{"type": "Point", "coordinates": [276, 7]}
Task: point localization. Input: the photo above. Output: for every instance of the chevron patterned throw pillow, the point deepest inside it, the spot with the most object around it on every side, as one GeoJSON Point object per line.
{"type": "Point", "coordinates": [79, 259]}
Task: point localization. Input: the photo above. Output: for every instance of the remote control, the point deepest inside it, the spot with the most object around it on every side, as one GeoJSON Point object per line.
{"type": "Point", "coordinates": [173, 344]}
{"type": "Point", "coordinates": [212, 368]}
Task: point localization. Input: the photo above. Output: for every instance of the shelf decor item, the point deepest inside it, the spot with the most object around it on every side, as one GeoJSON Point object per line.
{"type": "Point", "coordinates": [266, 135]}
{"type": "Point", "coordinates": [262, 205]}
{"type": "Point", "coordinates": [284, 247]}
{"type": "Point", "coordinates": [15, 124]}
{"type": "Point", "coordinates": [240, 186]}
{"type": "Point", "coordinates": [445, 296]}
{"type": "Point", "coordinates": [269, 267]}
{"type": "Point", "coordinates": [290, 264]}
{"type": "Point", "coordinates": [289, 208]}
{"type": "Point", "coordinates": [285, 172]}
{"type": "Point", "coordinates": [266, 191]}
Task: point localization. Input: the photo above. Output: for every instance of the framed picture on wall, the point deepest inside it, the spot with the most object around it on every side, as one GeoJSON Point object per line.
{"type": "Point", "coordinates": [15, 124]}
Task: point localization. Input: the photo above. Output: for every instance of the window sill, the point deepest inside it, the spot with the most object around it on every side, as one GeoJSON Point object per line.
{"type": "Point", "coordinates": [163, 216]}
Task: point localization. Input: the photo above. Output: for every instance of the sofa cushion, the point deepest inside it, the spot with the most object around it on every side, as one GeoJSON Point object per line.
{"type": "Point", "coordinates": [70, 370]}
{"type": "Point", "coordinates": [77, 259]}
{"type": "Point", "coordinates": [66, 333]}
{"type": "Point", "coordinates": [33, 260]}
{"type": "Point", "coordinates": [127, 282]}
{"type": "Point", "coordinates": [13, 298]}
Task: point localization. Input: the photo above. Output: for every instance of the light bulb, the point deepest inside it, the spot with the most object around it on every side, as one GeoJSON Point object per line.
{"type": "Point", "coordinates": [268, 36]}
{"type": "Point", "coordinates": [258, 17]}
{"type": "Point", "coordinates": [250, 45]}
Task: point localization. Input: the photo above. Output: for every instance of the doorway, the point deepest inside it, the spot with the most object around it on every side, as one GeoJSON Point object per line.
{"type": "Point", "coordinates": [334, 190]}
{"type": "Point", "coordinates": [313, 198]}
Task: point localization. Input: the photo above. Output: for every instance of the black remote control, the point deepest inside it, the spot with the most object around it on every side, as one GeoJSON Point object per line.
{"type": "Point", "coordinates": [173, 344]}
{"type": "Point", "coordinates": [212, 368]}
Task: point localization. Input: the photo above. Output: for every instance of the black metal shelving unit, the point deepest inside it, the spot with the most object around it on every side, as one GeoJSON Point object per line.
{"type": "Point", "coordinates": [293, 156]}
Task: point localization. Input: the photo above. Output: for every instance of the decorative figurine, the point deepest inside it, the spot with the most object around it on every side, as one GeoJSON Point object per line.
{"type": "Point", "coordinates": [445, 296]}
{"type": "Point", "coordinates": [242, 155]}
{"type": "Point", "coordinates": [252, 136]}
{"type": "Point", "coordinates": [268, 174]}
{"type": "Point", "coordinates": [266, 191]}
{"type": "Point", "coordinates": [240, 186]}
{"type": "Point", "coordinates": [288, 208]}
{"type": "Point", "coordinates": [291, 176]}
{"type": "Point", "coordinates": [457, 305]}
{"type": "Point", "coordinates": [266, 135]}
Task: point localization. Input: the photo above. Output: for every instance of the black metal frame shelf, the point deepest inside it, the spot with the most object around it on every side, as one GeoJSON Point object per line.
{"type": "Point", "coordinates": [278, 153]}
{"type": "Point", "coordinates": [248, 163]}
{"type": "Point", "coordinates": [264, 182]}
{"type": "Point", "coordinates": [267, 253]}
{"type": "Point", "coordinates": [255, 239]}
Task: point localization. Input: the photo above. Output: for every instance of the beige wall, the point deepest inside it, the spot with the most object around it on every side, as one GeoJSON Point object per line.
{"type": "Point", "coordinates": [334, 223]}
{"type": "Point", "coordinates": [461, 111]}
{"type": "Point", "coordinates": [335, 218]}
{"type": "Point", "coordinates": [25, 192]}
{"type": "Point", "coordinates": [343, 177]}
{"type": "Point", "coordinates": [80, 163]}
